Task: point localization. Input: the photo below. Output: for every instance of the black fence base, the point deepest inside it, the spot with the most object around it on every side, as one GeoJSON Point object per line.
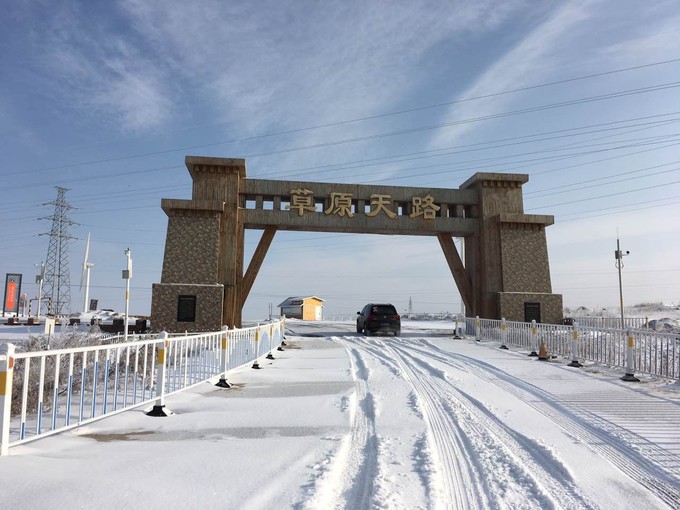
{"type": "Point", "coordinates": [256, 366]}
{"type": "Point", "coordinates": [575, 364]}
{"type": "Point", "coordinates": [630, 378]}
{"type": "Point", "coordinates": [223, 383]}
{"type": "Point", "coordinates": [269, 356]}
{"type": "Point", "coordinates": [504, 347]}
{"type": "Point", "coordinates": [159, 411]}
{"type": "Point", "coordinates": [533, 354]}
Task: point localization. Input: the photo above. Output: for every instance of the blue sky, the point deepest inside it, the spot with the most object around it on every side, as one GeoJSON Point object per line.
{"type": "Point", "coordinates": [107, 98]}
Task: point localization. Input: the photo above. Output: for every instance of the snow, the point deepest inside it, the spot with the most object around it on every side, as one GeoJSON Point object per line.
{"type": "Point", "coordinates": [339, 420]}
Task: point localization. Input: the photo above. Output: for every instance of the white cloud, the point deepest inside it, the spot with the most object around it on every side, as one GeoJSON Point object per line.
{"type": "Point", "coordinates": [522, 65]}
{"type": "Point", "coordinates": [103, 74]}
{"type": "Point", "coordinates": [277, 64]}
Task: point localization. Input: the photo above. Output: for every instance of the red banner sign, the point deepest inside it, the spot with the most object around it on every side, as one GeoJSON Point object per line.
{"type": "Point", "coordinates": [12, 293]}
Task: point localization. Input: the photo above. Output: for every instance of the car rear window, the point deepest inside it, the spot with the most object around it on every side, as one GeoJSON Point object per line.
{"type": "Point", "coordinates": [383, 309]}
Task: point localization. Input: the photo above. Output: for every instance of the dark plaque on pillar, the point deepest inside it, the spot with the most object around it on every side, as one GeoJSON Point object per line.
{"type": "Point", "coordinates": [532, 312]}
{"type": "Point", "coordinates": [186, 308]}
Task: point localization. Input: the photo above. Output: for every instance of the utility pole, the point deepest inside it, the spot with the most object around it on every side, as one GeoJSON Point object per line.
{"type": "Point", "coordinates": [39, 280]}
{"type": "Point", "coordinates": [618, 254]}
{"type": "Point", "coordinates": [127, 274]}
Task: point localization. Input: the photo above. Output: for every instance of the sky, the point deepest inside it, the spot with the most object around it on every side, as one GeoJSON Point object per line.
{"type": "Point", "coordinates": [342, 421]}
{"type": "Point", "coordinates": [107, 98]}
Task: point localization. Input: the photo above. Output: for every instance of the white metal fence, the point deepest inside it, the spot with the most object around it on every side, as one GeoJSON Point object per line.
{"type": "Point", "coordinates": [611, 322]}
{"type": "Point", "coordinates": [45, 392]}
{"type": "Point", "coordinates": [654, 353]}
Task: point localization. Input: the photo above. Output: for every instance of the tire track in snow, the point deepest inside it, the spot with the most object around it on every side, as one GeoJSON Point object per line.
{"type": "Point", "coordinates": [498, 450]}
{"type": "Point", "coordinates": [488, 447]}
{"type": "Point", "coordinates": [606, 438]}
{"type": "Point", "coordinates": [455, 484]}
{"type": "Point", "coordinates": [348, 481]}
{"type": "Point", "coordinates": [459, 487]}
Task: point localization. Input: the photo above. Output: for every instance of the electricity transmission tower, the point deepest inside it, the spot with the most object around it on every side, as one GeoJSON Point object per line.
{"type": "Point", "coordinates": [57, 283]}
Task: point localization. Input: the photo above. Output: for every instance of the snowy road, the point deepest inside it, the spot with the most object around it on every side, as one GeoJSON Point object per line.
{"type": "Point", "coordinates": [488, 438]}
{"type": "Point", "coordinates": [343, 421]}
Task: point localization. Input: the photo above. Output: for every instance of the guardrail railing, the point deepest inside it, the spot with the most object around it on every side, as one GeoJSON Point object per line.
{"type": "Point", "coordinates": [654, 353]}
{"type": "Point", "coordinates": [45, 392]}
{"type": "Point", "coordinates": [611, 322]}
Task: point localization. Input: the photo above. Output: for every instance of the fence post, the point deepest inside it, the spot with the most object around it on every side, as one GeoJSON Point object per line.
{"type": "Point", "coordinates": [159, 406]}
{"type": "Point", "coordinates": [534, 345]}
{"type": "Point", "coordinates": [223, 383]}
{"type": "Point", "coordinates": [478, 328]}
{"type": "Point", "coordinates": [6, 375]}
{"type": "Point", "coordinates": [574, 347]}
{"type": "Point", "coordinates": [456, 336]}
{"type": "Point", "coordinates": [283, 330]}
{"type": "Point", "coordinates": [256, 365]}
{"type": "Point", "coordinates": [280, 326]}
{"type": "Point", "coordinates": [504, 333]}
{"type": "Point", "coordinates": [630, 375]}
{"type": "Point", "coordinates": [271, 336]}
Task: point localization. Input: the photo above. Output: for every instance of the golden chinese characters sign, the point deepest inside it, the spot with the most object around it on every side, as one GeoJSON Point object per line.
{"type": "Point", "coordinates": [302, 200]}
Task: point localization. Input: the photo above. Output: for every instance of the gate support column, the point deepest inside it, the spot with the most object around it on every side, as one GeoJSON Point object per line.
{"type": "Point", "coordinates": [219, 179]}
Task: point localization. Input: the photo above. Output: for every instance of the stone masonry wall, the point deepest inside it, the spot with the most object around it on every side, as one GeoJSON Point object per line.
{"type": "Point", "coordinates": [524, 255]}
{"type": "Point", "coordinates": [511, 306]}
{"type": "Point", "coordinates": [208, 307]}
{"type": "Point", "coordinates": [191, 248]}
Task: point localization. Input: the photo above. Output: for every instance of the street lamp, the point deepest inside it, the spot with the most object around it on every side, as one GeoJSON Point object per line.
{"type": "Point", "coordinates": [127, 274]}
{"type": "Point", "coordinates": [618, 255]}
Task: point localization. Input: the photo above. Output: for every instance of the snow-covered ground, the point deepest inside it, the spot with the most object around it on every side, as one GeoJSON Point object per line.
{"type": "Point", "coordinates": [339, 420]}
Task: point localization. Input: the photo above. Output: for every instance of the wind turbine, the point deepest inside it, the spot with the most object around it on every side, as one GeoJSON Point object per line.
{"type": "Point", "coordinates": [86, 275]}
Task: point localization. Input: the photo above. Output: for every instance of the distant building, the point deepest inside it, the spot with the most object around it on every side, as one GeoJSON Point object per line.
{"type": "Point", "coordinates": [309, 308]}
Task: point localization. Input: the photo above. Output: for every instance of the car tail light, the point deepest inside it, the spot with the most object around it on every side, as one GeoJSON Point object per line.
{"type": "Point", "coordinates": [396, 317]}
{"type": "Point", "coordinates": [372, 317]}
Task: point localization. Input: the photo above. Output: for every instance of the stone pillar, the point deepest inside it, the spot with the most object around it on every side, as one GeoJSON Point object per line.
{"type": "Point", "coordinates": [203, 261]}
{"type": "Point", "coordinates": [189, 297]}
{"type": "Point", "coordinates": [507, 259]}
{"type": "Point", "coordinates": [218, 179]}
{"type": "Point", "coordinates": [497, 193]}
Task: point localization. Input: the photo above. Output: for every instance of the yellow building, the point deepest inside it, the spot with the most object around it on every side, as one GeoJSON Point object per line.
{"type": "Point", "coordinates": [308, 308]}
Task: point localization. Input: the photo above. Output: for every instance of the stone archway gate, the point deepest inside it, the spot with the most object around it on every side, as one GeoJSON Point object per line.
{"type": "Point", "coordinates": [203, 284]}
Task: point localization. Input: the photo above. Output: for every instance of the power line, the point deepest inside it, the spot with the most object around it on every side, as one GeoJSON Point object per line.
{"type": "Point", "coordinates": [532, 193]}
{"type": "Point", "coordinates": [613, 95]}
{"type": "Point", "coordinates": [609, 195]}
{"type": "Point", "coordinates": [492, 144]}
{"type": "Point", "coordinates": [362, 119]}
{"type": "Point", "coordinates": [618, 181]}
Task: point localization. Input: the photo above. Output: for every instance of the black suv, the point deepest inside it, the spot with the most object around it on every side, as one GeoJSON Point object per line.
{"type": "Point", "coordinates": [378, 317]}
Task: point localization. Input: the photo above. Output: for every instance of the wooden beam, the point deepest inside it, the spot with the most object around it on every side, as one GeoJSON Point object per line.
{"type": "Point", "coordinates": [458, 271]}
{"type": "Point", "coordinates": [256, 262]}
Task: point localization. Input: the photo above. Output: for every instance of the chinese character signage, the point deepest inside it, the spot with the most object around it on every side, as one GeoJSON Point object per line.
{"type": "Point", "coordinates": [302, 201]}
{"type": "Point", "coordinates": [12, 293]}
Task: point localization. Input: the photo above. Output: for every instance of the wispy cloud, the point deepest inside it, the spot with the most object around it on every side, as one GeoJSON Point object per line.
{"type": "Point", "coordinates": [524, 64]}
{"type": "Point", "coordinates": [101, 73]}
{"type": "Point", "coordinates": [273, 63]}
